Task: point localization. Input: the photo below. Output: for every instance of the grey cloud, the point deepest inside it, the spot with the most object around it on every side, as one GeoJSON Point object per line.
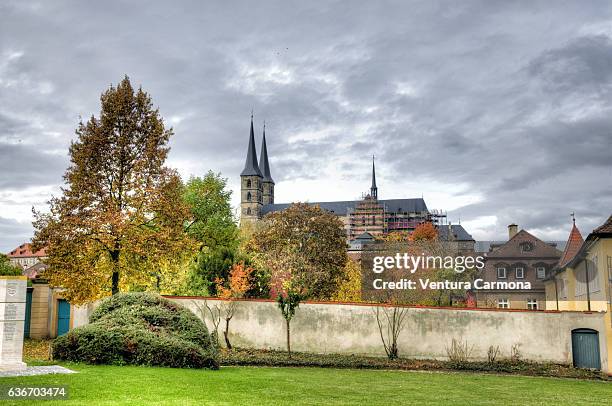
{"type": "Point", "coordinates": [495, 96]}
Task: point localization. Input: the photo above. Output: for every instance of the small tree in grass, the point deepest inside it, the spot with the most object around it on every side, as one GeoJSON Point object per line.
{"type": "Point", "coordinates": [288, 303]}
{"type": "Point", "coordinates": [238, 285]}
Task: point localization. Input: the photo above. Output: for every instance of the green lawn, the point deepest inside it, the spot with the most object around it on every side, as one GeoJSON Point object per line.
{"type": "Point", "coordinates": [109, 385]}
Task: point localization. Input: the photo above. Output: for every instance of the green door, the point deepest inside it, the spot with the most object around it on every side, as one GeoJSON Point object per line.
{"type": "Point", "coordinates": [585, 348]}
{"type": "Point", "coordinates": [28, 314]}
{"type": "Point", "coordinates": [63, 317]}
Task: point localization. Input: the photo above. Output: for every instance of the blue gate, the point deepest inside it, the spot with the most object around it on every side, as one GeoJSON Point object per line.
{"type": "Point", "coordinates": [63, 317]}
{"type": "Point", "coordinates": [28, 314]}
{"type": "Point", "coordinates": [585, 348]}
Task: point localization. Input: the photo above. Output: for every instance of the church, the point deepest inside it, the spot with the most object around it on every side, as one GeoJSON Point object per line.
{"type": "Point", "coordinates": [369, 216]}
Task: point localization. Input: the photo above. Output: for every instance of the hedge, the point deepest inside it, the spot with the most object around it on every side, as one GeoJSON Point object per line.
{"type": "Point", "coordinates": [140, 329]}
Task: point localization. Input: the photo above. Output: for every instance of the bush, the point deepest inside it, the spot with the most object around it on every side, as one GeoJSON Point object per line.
{"type": "Point", "coordinates": [141, 329]}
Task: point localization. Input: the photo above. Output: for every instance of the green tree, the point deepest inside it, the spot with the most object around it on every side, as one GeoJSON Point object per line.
{"type": "Point", "coordinates": [212, 222]}
{"type": "Point", "coordinates": [121, 213]}
{"type": "Point", "coordinates": [8, 269]}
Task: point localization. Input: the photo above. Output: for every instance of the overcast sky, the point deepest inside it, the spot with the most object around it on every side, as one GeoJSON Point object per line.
{"type": "Point", "coordinates": [496, 111]}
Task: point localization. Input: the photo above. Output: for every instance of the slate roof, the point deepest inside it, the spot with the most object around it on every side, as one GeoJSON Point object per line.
{"type": "Point", "coordinates": [485, 246]}
{"type": "Point", "coordinates": [33, 271]}
{"type": "Point", "coordinates": [460, 234]}
{"type": "Point", "coordinates": [512, 248]}
{"type": "Point", "coordinates": [342, 208]}
{"type": "Point", "coordinates": [251, 168]}
{"type": "Point", "coordinates": [574, 243]}
{"type": "Point", "coordinates": [263, 159]}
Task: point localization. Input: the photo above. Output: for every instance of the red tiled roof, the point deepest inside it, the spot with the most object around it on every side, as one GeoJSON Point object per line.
{"type": "Point", "coordinates": [574, 242]}
{"type": "Point", "coordinates": [25, 250]}
{"type": "Point", "coordinates": [605, 228]}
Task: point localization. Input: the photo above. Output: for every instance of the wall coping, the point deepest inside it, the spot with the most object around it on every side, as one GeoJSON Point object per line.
{"type": "Point", "coordinates": [371, 304]}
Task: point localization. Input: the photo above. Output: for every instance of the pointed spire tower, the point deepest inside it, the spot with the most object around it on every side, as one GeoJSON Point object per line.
{"type": "Point", "coordinates": [268, 182]}
{"type": "Point", "coordinates": [574, 243]}
{"type": "Point", "coordinates": [373, 188]}
{"type": "Point", "coordinates": [251, 185]}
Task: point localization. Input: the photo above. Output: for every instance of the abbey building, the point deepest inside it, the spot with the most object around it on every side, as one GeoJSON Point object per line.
{"type": "Point", "coordinates": [369, 216]}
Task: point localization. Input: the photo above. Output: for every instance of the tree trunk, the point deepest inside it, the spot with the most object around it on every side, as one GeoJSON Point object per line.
{"type": "Point", "coordinates": [227, 341]}
{"type": "Point", "coordinates": [288, 338]}
{"type": "Point", "coordinates": [115, 278]}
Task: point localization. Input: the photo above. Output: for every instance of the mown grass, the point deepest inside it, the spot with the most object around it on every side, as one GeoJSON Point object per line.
{"type": "Point", "coordinates": [114, 385]}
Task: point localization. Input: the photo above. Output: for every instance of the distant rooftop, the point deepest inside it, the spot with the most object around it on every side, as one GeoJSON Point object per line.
{"type": "Point", "coordinates": [484, 246]}
{"type": "Point", "coordinates": [342, 208]}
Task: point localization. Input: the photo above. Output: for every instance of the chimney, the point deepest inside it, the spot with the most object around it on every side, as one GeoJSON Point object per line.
{"type": "Point", "coordinates": [512, 230]}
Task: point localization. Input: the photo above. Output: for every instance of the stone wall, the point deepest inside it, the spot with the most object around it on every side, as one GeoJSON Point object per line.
{"type": "Point", "coordinates": [352, 329]}
{"type": "Point", "coordinates": [543, 336]}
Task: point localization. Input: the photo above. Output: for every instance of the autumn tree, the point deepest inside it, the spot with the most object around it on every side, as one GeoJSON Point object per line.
{"type": "Point", "coordinates": [349, 289]}
{"type": "Point", "coordinates": [312, 244]}
{"type": "Point", "coordinates": [236, 287]}
{"type": "Point", "coordinates": [121, 214]}
{"type": "Point", "coordinates": [424, 231]}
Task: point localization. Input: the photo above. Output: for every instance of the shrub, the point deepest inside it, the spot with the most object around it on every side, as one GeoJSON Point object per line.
{"type": "Point", "coordinates": [142, 329]}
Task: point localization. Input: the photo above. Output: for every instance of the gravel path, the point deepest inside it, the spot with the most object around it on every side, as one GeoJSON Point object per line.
{"type": "Point", "coordinates": [39, 370]}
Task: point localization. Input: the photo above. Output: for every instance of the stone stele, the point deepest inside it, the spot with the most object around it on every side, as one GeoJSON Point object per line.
{"type": "Point", "coordinates": [12, 319]}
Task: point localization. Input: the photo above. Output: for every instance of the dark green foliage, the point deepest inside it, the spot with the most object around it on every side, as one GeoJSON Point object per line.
{"type": "Point", "coordinates": [142, 329]}
{"type": "Point", "coordinates": [8, 269]}
{"type": "Point", "coordinates": [240, 356]}
{"type": "Point", "coordinates": [288, 304]}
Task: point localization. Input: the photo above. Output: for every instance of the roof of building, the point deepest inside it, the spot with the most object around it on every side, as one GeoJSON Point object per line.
{"type": "Point", "coordinates": [486, 246]}
{"type": "Point", "coordinates": [513, 248]}
{"type": "Point", "coordinates": [251, 167]}
{"type": "Point", "coordinates": [33, 271]}
{"type": "Point", "coordinates": [373, 175]}
{"type": "Point", "coordinates": [263, 159]}
{"type": "Point", "coordinates": [342, 208]}
{"type": "Point", "coordinates": [25, 251]}
{"type": "Point", "coordinates": [574, 243]}
{"type": "Point", "coordinates": [459, 233]}
{"type": "Point", "coordinates": [605, 228]}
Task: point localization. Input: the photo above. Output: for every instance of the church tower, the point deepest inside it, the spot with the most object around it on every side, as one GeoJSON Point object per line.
{"type": "Point", "coordinates": [373, 188]}
{"type": "Point", "coordinates": [251, 184]}
{"type": "Point", "coordinates": [268, 182]}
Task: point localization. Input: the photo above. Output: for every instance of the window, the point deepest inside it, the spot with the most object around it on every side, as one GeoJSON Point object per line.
{"type": "Point", "coordinates": [541, 272]}
{"type": "Point", "coordinates": [519, 272]}
{"type": "Point", "coordinates": [503, 304]}
{"type": "Point", "coordinates": [532, 304]}
{"type": "Point", "coordinates": [248, 210]}
{"type": "Point", "coordinates": [249, 196]}
{"type": "Point", "coordinates": [593, 276]}
{"type": "Point", "coordinates": [248, 184]}
{"type": "Point", "coordinates": [563, 289]}
{"type": "Point", "coordinates": [526, 246]}
{"type": "Point", "coordinates": [501, 273]}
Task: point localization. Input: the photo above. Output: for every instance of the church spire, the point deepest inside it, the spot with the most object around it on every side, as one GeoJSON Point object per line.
{"type": "Point", "coordinates": [251, 168]}
{"type": "Point", "coordinates": [373, 188]}
{"type": "Point", "coordinates": [263, 156]}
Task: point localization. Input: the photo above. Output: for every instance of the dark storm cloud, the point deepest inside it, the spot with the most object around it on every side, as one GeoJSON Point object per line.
{"type": "Point", "coordinates": [511, 100]}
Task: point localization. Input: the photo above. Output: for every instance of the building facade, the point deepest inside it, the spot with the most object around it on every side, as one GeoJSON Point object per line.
{"type": "Point", "coordinates": [523, 259]}
{"type": "Point", "coordinates": [582, 281]}
{"type": "Point", "coordinates": [24, 257]}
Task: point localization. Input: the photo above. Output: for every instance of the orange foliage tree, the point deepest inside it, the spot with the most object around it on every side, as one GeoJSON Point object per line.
{"type": "Point", "coordinates": [238, 284]}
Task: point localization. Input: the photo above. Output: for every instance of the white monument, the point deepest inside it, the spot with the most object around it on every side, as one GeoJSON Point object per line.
{"type": "Point", "coordinates": [12, 319]}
